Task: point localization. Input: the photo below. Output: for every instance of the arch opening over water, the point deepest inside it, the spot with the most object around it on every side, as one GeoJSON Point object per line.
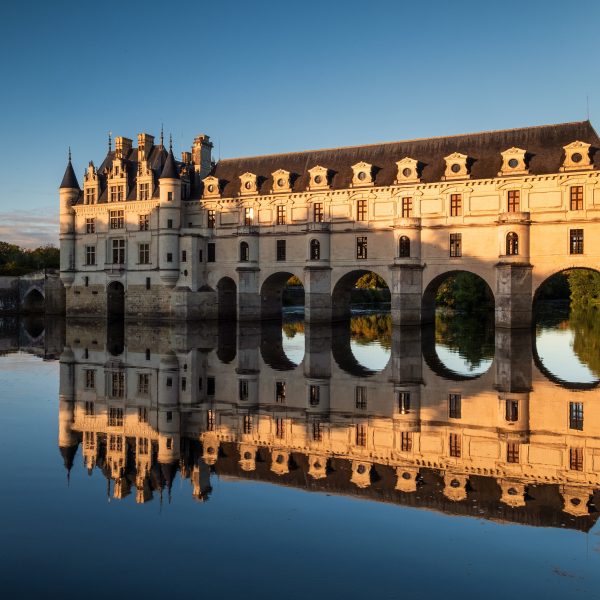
{"type": "Point", "coordinates": [227, 298]}
{"type": "Point", "coordinates": [359, 291]}
{"type": "Point", "coordinates": [281, 293]}
{"type": "Point", "coordinates": [115, 300]}
{"type": "Point", "coordinates": [34, 302]}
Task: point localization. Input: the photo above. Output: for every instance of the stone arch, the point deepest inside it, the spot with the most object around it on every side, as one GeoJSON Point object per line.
{"type": "Point", "coordinates": [115, 300]}
{"type": "Point", "coordinates": [227, 298]}
{"type": "Point", "coordinates": [272, 350]}
{"type": "Point", "coordinates": [541, 282]}
{"type": "Point", "coordinates": [340, 297]}
{"type": "Point", "coordinates": [34, 301]}
{"type": "Point", "coordinates": [271, 294]}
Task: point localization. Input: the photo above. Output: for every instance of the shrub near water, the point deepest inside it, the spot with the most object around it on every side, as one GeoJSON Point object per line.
{"type": "Point", "coordinates": [16, 261]}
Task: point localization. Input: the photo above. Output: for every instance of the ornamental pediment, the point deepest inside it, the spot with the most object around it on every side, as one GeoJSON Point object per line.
{"type": "Point", "coordinates": [456, 166]}
{"type": "Point", "coordinates": [319, 178]}
{"type": "Point", "coordinates": [281, 181]}
{"type": "Point", "coordinates": [362, 174]}
{"type": "Point", "coordinates": [408, 170]}
{"type": "Point", "coordinates": [248, 184]}
{"type": "Point", "coordinates": [577, 156]}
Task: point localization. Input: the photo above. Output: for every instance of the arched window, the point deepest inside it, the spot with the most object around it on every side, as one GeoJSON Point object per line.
{"type": "Point", "coordinates": [404, 247]}
{"type": "Point", "coordinates": [512, 244]}
{"type": "Point", "coordinates": [315, 250]}
{"type": "Point", "coordinates": [244, 252]}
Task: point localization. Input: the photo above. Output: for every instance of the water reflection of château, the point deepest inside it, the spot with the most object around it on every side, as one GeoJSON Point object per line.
{"type": "Point", "coordinates": [146, 401]}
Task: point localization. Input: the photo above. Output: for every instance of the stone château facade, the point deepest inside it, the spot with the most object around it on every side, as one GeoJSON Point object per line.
{"type": "Point", "coordinates": [152, 236]}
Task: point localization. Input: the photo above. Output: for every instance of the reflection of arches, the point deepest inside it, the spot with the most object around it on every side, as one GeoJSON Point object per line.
{"type": "Point", "coordinates": [315, 250]}
{"type": "Point", "coordinates": [271, 295]}
{"type": "Point", "coordinates": [512, 244]}
{"type": "Point", "coordinates": [428, 299]}
{"type": "Point", "coordinates": [115, 299]}
{"type": "Point", "coordinates": [404, 246]}
{"type": "Point", "coordinates": [115, 337]}
{"type": "Point", "coordinates": [342, 352]}
{"type": "Point", "coordinates": [227, 298]}
{"type": "Point", "coordinates": [342, 292]}
{"type": "Point", "coordinates": [226, 340]}
{"type": "Point", "coordinates": [271, 347]}
{"type": "Point", "coordinates": [244, 252]}
{"type": "Point", "coordinates": [34, 302]}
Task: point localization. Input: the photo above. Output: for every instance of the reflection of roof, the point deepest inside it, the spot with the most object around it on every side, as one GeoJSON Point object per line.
{"type": "Point", "coordinates": [68, 453]}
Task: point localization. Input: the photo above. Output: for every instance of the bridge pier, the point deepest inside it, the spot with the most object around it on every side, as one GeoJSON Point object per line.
{"type": "Point", "coordinates": [406, 293]}
{"type": "Point", "coordinates": [248, 296]}
{"type": "Point", "coordinates": [317, 294]}
{"type": "Point", "coordinates": [513, 294]}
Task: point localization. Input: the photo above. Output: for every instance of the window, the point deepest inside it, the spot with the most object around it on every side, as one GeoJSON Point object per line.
{"type": "Point", "coordinates": [200, 257]}
{"type": "Point", "coordinates": [404, 247]}
{"type": "Point", "coordinates": [183, 256]}
{"type": "Point", "coordinates": [183, 384]}
{"type": "Point", "coordinates": [147, 353]}
{"type": "Point", "coordinates": [318, 212]}
{"type": "Point", "coordinates": [147, 283]}
{"type": "Point", "coordinates": [361, 248]}
{"type": "Point", "coordinates": [406, 441]}
{"type": "Point", "coordinates": [90, 225]}
{"type": "Point", "coordinates": [144, 254]}
{"type": "Point", "coordinates": [361, 435]}
{"type": "Point", "coordinates": [142, 414]}
{"type": "Point", "coordinates": [576, 193]}
{"type": "Point", "coordinates": [169, 196]}
{"type": "Point", "coordinates": [317, 431]}
{"type": "Point", "coordinates": [280, 249]}
{"type": "Point", "coordinates": [169, 416]}
{"type": "Point", "coordinates": [143, 383]}
{"type": "Point", "coordinates": [117, 219]}
{"type": "Point", "coordinates": [512, 411]}
{"type": "Point", "coordinates": [279, 428]}
{"type": "Point", "coordinates": [360, 397]}
{"type": "Point", "coordinates": [512, 244]}
{"type": "Point", "coordinates": [243, 389]}
{"type": "Point", "coordinates": [455, 244]}
{"type": "Point", "coordinates": [315, 250]}
{"type": "Point", "coordinates": [454, 406]}
{"type": "Point", "coordinates": [144, 222]}
{"type": "Point", "coordinates": [576, 241]}
{"type": "Point", "coordinates": [90, 379]}
{"type": "Point", "coordinates": [406, 208]}
{"type": "Point", "coordinates": [115, 443]}
{"type": "Point", "coordinates": [281, 215]}
{"type": "Point", "coordinates": [244, 252]}
{"type": "Point", "coordinates": [280, 392]}
{"type": "Point", "coordinates": [117, 384]}
{"type": "Point", "coordinates": [89, 440]}
{"type": "Point", "coordinates": [115, 417]}
{"type": "Point", "coordinates": [90, 196]}
{"type": "Point", "coordinates": [455, 445]}
{"type": "Point", "coordinates": [169, 223]}
{"type": "Point", "coordinates": [169, 443]}
{"type": "Point", "coordinates": [169, 382]}
{"type": "Point", "coordinates": [90, 255]}
{"type": "Point", "coordinates": [403, 403]}
{"type": "Point", "coordinates": [210, 253]}
{"type": "Point", "coordinates": [117, 193]}
{"type": "Point", "coordinates": [89, 409]}
{"type": "Point", "coordinates": [512, 452]}
{"type": "Point", "coordinates": [361, 210]}
{"type": "Point", "coordinates": [247, 424]}
{"type": "Point", "coordinates": [314, 395]}
{"type": "Point", "coordinates": [210, 386]}
{"type": "Point", "coordinates": [169, 257]}
{"type": "Point", "coordinates": [210, 420]}
{"type": "Point", "coordinates": [576, 415]}
{"type": "Point", "coordinates": [144, 191]}
{"type": "Point", "coordinates": [142, 447]}
{"type": "Point", "coordinates": [248, 216]}
{"type": "Point", "coordinates": [210, 219]}
{"type": "Point", "coordinates": [455, 205]}
{"type": "Point", "coordinates": [514, 201]}
{"type": "Point", "coordinates": [118, 252]}
{"type": "Point", "coordinates": [576, 459]}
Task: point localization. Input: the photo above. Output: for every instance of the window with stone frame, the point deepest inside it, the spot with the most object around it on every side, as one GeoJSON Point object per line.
{"type": "Point", "coordinates": [143, 387]}
{"type": "Point", "coordinates": [211, 219]}
{"type": "Point", "coordinates": [248, 216]}
{"type": "Point", "coordinates": [210, 253]}
{"type": "Point", "coordinates": [90, 225]}
{"type": "Point", "coordinates": [90, 195]}
{"type": "Point", "coordinates": [455, 205]}
{"type": "Point", "coordinates": [117, 219]}
{"type": "Point", "coordinates": [317, 212]}
{"type": "Point", "coordinates": [404, 247]}
{"type": "Point", "coordinates": [118, 252]}
{"type": "Point", "coordinates": [361, 210]}
{"type": "Point", "coordinates": [281, 250]}
{"type": "Point", "coordinates": [455, 245]}
{"type": "Point", "coordinates": [315, 250]}
{"type": "Point", "coordinates": [361, 247]}
{"type": "Point", "coordinates": [144, 222]}
{"type": "Point", "coordinates": [407, 207]}
{"type": "Point", "coordinates": [144, 191]}
{"type": "Point", "coordinates": [90, 255]}
{"type": "Point", "coordinates": [576, 197]}
{"type": "Point", "coordinates": [280, 214]}
{"type": "Point", "coordinates": [144, 254]}
{"type": "Point", "coordinates": [576, 241]}
{"type": "Point", "coordinates": [514, 201]}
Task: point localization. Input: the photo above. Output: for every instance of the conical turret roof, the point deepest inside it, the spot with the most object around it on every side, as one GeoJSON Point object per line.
{"type": "Point", "coordinates": [170, 170]}
{"type": "Point", "coordinates": [70, 180]}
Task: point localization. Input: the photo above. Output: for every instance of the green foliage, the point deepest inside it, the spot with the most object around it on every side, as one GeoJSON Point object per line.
{"type": "Point", "coordinates": [585, 323]}
{"type": "Point", "coordinates": [464, 292]}
{"type": "Point", "coordinates": [585, 287]}
{"type": "Point", "coordinates": [555, 288]}
{"type": "Point", "coordinates": [293, 280]}
{"type": "Point", "coordinates": [20, 261]}
{"type": "Point", "coordinates": [366, 329]}
{"type": "Point", "coordinates": [371, 281]}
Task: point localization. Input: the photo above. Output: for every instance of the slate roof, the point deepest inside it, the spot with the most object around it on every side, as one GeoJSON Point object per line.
{"type": "Point", "coordinates": [170, 170]}
{"type": "Point", "coordinates": [544, 146]}
{"type": "Point", "coordinates": [69, 179]}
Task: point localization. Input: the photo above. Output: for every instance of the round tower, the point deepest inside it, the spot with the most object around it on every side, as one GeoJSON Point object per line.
{"type": "Point", "coordinates": [169, 221]}
{"type": "Point", "coordinates": [69, 192]}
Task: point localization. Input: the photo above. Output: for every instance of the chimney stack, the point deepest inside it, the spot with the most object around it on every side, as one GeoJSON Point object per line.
{"type": "Point", "coordinates": [145, 144]}
{"type": "Point", "coordinates": [201, 155]}
{"type": "Point", "coordinates": [123, 146]}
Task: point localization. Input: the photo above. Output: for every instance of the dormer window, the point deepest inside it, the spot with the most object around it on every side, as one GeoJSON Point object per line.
{"type": "Point", "coordinates": [513, 162]}
{"type": "Point", "coordinates": [577, 157]}
{"type": "Point", "coordinates": [456, 166]}
{"type": "Point", "coordinates": [407, 170]}
{"type": "Point", "coordinates": [363, 174]}
{"type": "Point", "coordinates": [211, 187]}
{"type": "Point", "coordinates": [248, 184]}
{"type": "Point", "coordinates": [281, 181]}
{"type": "Point", "coordinates": [318, 178]}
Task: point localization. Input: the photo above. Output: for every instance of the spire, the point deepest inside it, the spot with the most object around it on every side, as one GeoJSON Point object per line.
{"type": "Point", "coordinates": [109, 142]}
{"type": "Point", "coordinates": [69, 180]}
{"type": "Point", "coordinates": [170, 170]}
{"type": "Point", "coordinates": [162, 135]}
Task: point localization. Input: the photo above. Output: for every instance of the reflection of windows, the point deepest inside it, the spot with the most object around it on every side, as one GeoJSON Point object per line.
{"type": "Point", "coordinates": [514, 201]}
{"type": "Point", "coordinates": [512, 410]}
{"type": "Point", "coordinates": [360, 397]}
{"type": "Point", "coordinates": [210, 420]}
{"type": "Point", "coordinates": [317, 432]}
{"type": "Point", "coordinates": [115, 443]}
{"type": "Point", "coordinates": [361, 248]}
{"type": "Point", "coordinates": [143, 446]}
{"type": "Point", "coordinates": [576, 415]}
{"type": "Point", "coordinates": [576, 459]}
{"type": "Point", "coordinates": [89, 440]}
{"type": "Point", "coordinates": [115, 417]}
{"type": "Point", "coordinates": [169, 443]}
{"type": "Point", "coordinates": [456, 244]}
{"type": "Point", "coordinates": [210, 386]}
{"type": "Point", "coordinates": [279, 428]}
{"type": "Point", "coordinates": [454, 406]}
{"type": "Point", "coordinates": [143, 383]}
{"type": "Point", "coordinates": [403, 403]}
{"type": "Point", "coordinates": [280, 392]}
{"type": "Point", "coordinates": [512, 452]}
{"type": "Point", "coordinates": [576, 241]}
{"type": "Point", "coordinates": [576, 194]}
{"type": "Point", "coordinates": [361, 435]}
{"type": "Point", "coordinates": [90, 379]}
{"type": "Point", "coordinates": [314, 395]}
{"type": "Point", "coordinates": [117, 384]}
{"type": "Point", "coordinates": [142, 414]}
{"type": "Point", "coordinates": [247, 424]}
{"type": "Point", "coordinates": [89, 409]}
{"type": "Point", "coordinates": [455, 445]}
{"type": "Point", "coordinates": [406, 207]}
{"type": "Point", "coordinates": [243, 389]}
{"type": "Point", "coordinates": [455, 205]}
{"type": "Point", "coordinates": [406, 441]}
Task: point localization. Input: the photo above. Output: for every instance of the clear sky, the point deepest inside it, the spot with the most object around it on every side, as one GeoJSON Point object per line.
{"type": "Point", "coordinates": [266, 77]}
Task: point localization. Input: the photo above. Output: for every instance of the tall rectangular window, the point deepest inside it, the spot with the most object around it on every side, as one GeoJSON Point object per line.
{"type": "Point", "coordinates": [361, 435]}
{"type": "Point", "coordinates": [144, 193]}
{"type": "Point", "coordinates": [317, 431]}
{"type": "Point", "coordinates": [314, 395]}
{"type": "Point", "coordinates": [115, 417]}
{"type": "Point", "coordinates": [142, 414]}
{"type": "Point", "coordinates": [280, 392]}
{"type": "Point", "coordinates": [89, 409]}
{"type": "Point", "coordinates": [144, 254]}
{"type": "Point", "coordinates": [210, 420]}
{"type": "Point", "coordinates": [360, 397]}
{"type": "Point", "coordinates": [455, 244]}
{"type": "Point", "coordinates": [183, 256]}
{"type": "Point", "coordinates": [455, 445]}
{"type": "Point", "coordinates": [455, 205]}
{"type": "Point", "coordinates": [514, 201]}
{"type": "Point", "coordinates": [118, 252]}
{"type": "Point", "coordinates": [279, 428]}
{"type": "Point", "coordinates": [117, 384]}
{"type": "Point", "coordinates": [90, 379]}
{"type": "Point", "coordinates": [512, 452]}
{"type": "Point", "coordinates": [403, 403]}
{"type": "Point", "coordinates": [576, 241]}
{"type": "Point", "coordinates": [90, 225]}
{"type": "Point", "coordinates": [576, 459]}
{"type": "Point", "coordinates": [361, 247]}
{"type": "Point", "coordinates": [90, 195]}
{"type": "Point", "coordinates": [210, 253]}
{"type": "Point", "coordinates": [115, 443]}
{"type": "Point", "coordinates": [405, 441]}
{"type": "Point", "coordinates": [247, 424]}
{"type": "Point", "coordinates": [211, 219]}
{"type": "Point", "coordinates": [512, 411]}
{"type": "Point", "coordinates": [248, 216]}
{"type": "Point", "coordinates": [576, 194]}
{"type": "Point", "coordinates": [117, 193]}
{"type": "Point", "coordinates": [281, 215]}
{"type": "Point", "coordinates": [280, 249]}
{"type": "Point", "coordinates": [90, 255]}
{"type": "Point", "coordinates": [361, 210]}
{"type": "Point", "coordinates": [318, 212]}
{"type": "Point", "coordinates": [117, 219]}
{"type": "Point", "coordinates": [89, 440]}
{"type": "Point", "coordinates": [454, 406]}
{"type": "Point", "coordinates": [142, 447]}
{"type": "Point", "coordinates": [243, 389]}
{"type": "Point", "coordinates": [406, 207]}
{"type": "Point", "coordinates": [144, 222]}
{"type": "Point", "coordinates": [210, 386]}
{"type": "Point", "coordinates": [576, 415]}
{"type": "Point", "coordinates": [143, 386]}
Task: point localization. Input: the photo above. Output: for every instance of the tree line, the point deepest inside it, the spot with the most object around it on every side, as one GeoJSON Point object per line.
{"type": "Point", "coordinates": [16, 261]}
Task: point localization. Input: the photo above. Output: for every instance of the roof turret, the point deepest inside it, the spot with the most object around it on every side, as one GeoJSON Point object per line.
{"type": "Point", "coordinates": [170, 170]}
{"type": "Point", "coordinates": [69, 180]}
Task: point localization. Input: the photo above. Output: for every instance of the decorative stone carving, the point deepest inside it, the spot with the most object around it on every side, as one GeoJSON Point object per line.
{"type": "Point", "coordinates": [513, 162]}
{"type": "Point", "coordinates": [456, 166]}
{"type": "Point", "coordinates": [408, 170]}
{"type": "Point", "coordinates": [577, 157]}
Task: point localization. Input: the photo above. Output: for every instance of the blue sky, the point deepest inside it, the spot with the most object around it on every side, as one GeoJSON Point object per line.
{"type": "Point", "coordinates": [267, 77]}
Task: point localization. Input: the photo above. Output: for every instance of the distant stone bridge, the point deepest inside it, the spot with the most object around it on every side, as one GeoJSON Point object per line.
{"type": "Point", "coordinates": [35, 293]}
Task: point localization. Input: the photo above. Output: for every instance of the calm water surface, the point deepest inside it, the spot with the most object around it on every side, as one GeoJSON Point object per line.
{"type": "Point", "coordinates": [297, 461]}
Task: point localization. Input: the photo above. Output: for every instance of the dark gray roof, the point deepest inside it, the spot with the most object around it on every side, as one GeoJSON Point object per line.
{"type": "Point", "coordinates": [170, 170]}
{"type": "Point", "coordinates": [69, 180]}
{"type": "Point", "coordinates": [544, 146]}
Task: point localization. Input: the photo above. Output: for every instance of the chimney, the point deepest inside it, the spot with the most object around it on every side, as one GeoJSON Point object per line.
{"type": "Point", "coordinates": [201, 155]}
{"type": "Point", "coordinates": [123, 147]}
{"type": "Point", "coordinates": [186, 158]}
{"type": "Point", "coordinates": [145, 143]}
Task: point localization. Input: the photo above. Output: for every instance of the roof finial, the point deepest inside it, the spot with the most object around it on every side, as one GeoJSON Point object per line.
{"type": "Point", "coordinates": [170, 142]}
{"type": "Point", "coordinates": [110, 141]}
{"type": "Point", "coordinates": [69, 153]}
{"type": "Point", "coordinates": [162, 135]}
